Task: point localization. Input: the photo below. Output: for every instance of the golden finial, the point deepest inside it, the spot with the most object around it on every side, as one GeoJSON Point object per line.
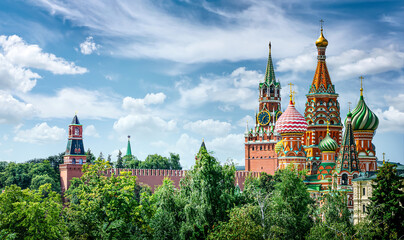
{"type": "Point", "coordinates": [383, 158]}
{"type": "Point", "coordinates": [328, 127]}
{"type": "Point", "coordinates": [203, 140]}
{"type": "Point", "coordinates": [291, 92]}
{"type": "Point", "coordinates": [361, 78]}
{"type": "Point", "coordinates": [321, 41]}
{"type": "Point", "coordinates": [75, 113]}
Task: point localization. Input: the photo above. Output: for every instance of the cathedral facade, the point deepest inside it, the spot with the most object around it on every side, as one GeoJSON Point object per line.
{"type": "Point", "coordinates": [314, 141]}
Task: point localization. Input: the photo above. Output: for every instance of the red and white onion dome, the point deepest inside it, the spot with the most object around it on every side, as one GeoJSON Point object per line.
{"type": "Point", "coordinates": [291, 121]}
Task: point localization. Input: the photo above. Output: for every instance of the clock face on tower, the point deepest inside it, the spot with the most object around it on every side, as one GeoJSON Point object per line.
{"type": "Point", "coordinates": [263, 118]}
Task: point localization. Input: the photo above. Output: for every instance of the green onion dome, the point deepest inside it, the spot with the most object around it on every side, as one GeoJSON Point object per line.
{"type": "Point", "coordinates": [278, 146]}
{"type": "Point", "coordinates": [328, 144]}
{"type": "Point", "coordinates": [363, 118]}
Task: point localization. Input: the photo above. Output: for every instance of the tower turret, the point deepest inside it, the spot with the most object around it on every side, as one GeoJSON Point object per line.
{"type": "Point", "coordinates": [128, 148]}
{"type": "Point", "coordinates": [364, 125]}
{"type": "Point", "coordinates": [321, 107]}
{"type": "Point", "coordinates": [75, 153]}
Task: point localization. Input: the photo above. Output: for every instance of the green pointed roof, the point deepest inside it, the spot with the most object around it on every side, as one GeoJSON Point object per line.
{"type": "Point", "coordinates": [363, 118]}
{"type": "Point", "coordinates": [75, 120]}
{"type": "Point", "coordinates": [348, 157]}
{"type": "Point", "coordinates": [128, 148]}
{"type": "Point", "coordinates": [270, 73]}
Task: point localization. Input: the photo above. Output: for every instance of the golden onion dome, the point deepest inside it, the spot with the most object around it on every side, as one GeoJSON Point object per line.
{"type": "Point", "coordinates": [321, 41]}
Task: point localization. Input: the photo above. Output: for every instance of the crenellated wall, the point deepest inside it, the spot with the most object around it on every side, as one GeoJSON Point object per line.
{"type": "Point", "coordinates": [150, 177]}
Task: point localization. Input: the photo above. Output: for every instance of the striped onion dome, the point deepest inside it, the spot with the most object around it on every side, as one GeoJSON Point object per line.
{"type": "Point", "coordinates": [328, 144]}
{"type": "Point", "coordinates": [363, 118]}
{"type": "Point", "coordinates": [278, 146]}
{"type": "Point", "coordinates": [291, 121]}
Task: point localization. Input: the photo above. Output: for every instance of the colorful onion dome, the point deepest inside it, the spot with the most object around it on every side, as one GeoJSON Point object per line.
{"type": "Point", "coordinates": [363, 118]}
{"type": "Point", "coordinates": [291, 121]}
{"type": "Point", "coordinates": [278, 146]}
{"type": "Point", "coordinates": [328, 144]}
{"type": "Point", "coordinates": [321, 41]}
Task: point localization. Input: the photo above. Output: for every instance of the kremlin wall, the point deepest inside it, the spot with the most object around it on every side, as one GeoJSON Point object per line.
{"type": "Point", "coordinates": [312, 141]}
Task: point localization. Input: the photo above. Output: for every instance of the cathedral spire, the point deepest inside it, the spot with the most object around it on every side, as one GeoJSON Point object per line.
{"type": "Point", "coordinates": [270, 73]}
{"type": "Point", "coordinates": [348, 157]}
{"type": "Point", "coordinates": [128, 148]}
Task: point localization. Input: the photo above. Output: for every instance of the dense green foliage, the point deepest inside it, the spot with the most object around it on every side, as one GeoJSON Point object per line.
{"type": "Point", "coordinates": [31, 174]}
{"type": "Point", "coordinates": [31, 214]}
{"type": "Point", "coordinates": [154, 161]}
{"type": "Point", "coordinates": [386, 209]}
{"type": "Point", "coordinates": [207, 205]}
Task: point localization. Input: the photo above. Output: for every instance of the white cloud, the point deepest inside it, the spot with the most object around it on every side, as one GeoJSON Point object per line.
{"type": "Point", "coordinates": [17, 52]}
{"type": "Point", "coordinates": [208, 127]}
{"type": "Point", "coordinates": [13, 110]}
{"type": "Point", "coordinates": [230, 146]}
{"type": "Point", "coordinates": [139, 104]}
{"type": "Point", "coordinates": [246, 119]}
{"type": "Point", "coordinates": [91, 131]}
{"type": "Point", "coordinates": [88, 104]}
{"type": "Point", "coordinates": [390, 120]}
{"type": "Point", "coordinates": [143, 123]}
{"type": "Point", "coordinates": [237, 89]}
{"type": "Point", "coordinates": [40, 133]}
{"type": "Point", "coordinates": [153, 31]}
{"type": "Point", "coordinates": [301, 63]}
{"type": "Point", "coordinates": [88, 46]}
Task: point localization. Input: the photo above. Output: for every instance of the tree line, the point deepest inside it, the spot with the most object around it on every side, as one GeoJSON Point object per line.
{"type": "Point", "coordinates": [208, 205]}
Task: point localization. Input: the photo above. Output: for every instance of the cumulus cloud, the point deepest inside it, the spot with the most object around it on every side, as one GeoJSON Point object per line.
{"type": "Point", "coordinates": [88, 103]}
{"type": "Point", "coordinates": [230, 146]}
{"type": "Point", "coordinates": [301, 63]}
{"type": "Point", "coordinates": [235, 89]}
{"type": "Point", "coordinates": [142, 117]}
{"type": "Point", "coordinates": [88, 46]}
{"type": "Point", "coordinates": [91, 131]}
{"type": "Point", "coordinates": [390, 120]}
{"type": "Point", "coordinates": [13, 110]}
{"type": "Point", "coordinates": [40, 133]}
{"type": "Point", "coordinates": [208, 127]}
{"type": "Point", "coordinates": [18, 53]}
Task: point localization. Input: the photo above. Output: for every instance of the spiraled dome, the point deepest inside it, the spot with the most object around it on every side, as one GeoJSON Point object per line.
{"type": "Point", "coordinates": [291, 121]}
{"type": "Point", "coordinates": [278, 146]}
{"type": "Point", "coordinates": [363, 118]}
{"type": "Point", "coordinates": [328, 144]}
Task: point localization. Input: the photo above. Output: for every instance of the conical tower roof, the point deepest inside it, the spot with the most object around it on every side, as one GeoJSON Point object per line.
{"type": "Point", "coordinates": [75, 120]}
{"type": "Point", "coordinates": [270, 73]}
{"type": "Point", "coordinates": [348, 157]}
{"type": "Point", "coordinates": [128, 148]}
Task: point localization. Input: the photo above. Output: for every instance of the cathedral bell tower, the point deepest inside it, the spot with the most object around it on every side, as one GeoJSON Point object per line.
{"type": "Point", "coordinates": [321, 107]}
{"type": "Point", "coordinates": [260, 141]}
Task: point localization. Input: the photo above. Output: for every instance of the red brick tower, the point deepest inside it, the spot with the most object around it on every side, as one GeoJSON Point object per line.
{"type": "Point", "coordinates": [364, 125]}
{"type": "Point", "coordinates": [75, 155]}
{"type": "Point", "coordinates": [321, 106]}
{"type": "Point", "coordinates": [260, 141]}
{"type": "Point", "coordinates": [291, 125]}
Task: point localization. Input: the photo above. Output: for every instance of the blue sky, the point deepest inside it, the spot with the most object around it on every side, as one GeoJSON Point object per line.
{"type": "Point", "coordinates": [170, 73]}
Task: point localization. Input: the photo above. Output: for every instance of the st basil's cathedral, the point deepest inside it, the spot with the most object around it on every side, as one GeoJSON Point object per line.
{"type": "Point", "coordinates": [313, 142]}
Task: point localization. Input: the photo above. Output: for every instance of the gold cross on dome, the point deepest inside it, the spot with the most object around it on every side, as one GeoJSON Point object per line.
{"type": "Point", "coordinates": [291, 94]}
{"type": "Point", "coordinates": [321, 23]}
{"type": "Point", "coordinates": [361, 78]}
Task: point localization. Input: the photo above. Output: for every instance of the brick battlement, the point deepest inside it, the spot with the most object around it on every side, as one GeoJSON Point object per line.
{"type": "Point", "coordinates": [150, 177]}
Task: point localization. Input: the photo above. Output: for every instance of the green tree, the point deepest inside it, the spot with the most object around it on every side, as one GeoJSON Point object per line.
{"type": "Point", "coordinates": [130, 161]}
{"type": "Point", "coordinates": [289, 207]}
{"type": "Point", "coordinates": [333, 221]}
{"type": "Point", "coordinates": [174, 161]}
{"type": "Point", "coordinates": [40, 180]}
{"type": "Point", "coordinates": [155, 161]}
{"type": "Point", "coordinates": [16, 173]}
{"type": "Point", "coordinates": [104, 207]}
{"type": "Point", "coordinates": [119, 161]}
{"type": "Point", "coordinates": [167, 220]}
{"type": "Point", "coordinates": [90, 157]}
{"type": "Point", "coordinates": [244, 224]}
{"type": "Point", "coordinates": [31, 214]}
{"type": "Point", "coordinates": [207, 193]}
{"type": "Point", "coordinates": [386, 208]}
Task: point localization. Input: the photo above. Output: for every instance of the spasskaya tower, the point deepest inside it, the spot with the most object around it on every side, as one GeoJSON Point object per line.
{"type": "Point", "coordinates": [260, 140]}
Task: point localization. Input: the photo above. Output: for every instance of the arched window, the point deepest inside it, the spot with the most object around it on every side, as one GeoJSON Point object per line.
{"type": "Point", "coordinates": [321, 122]}
{"type": "Point", "coordinates": [344, 179]}
{"type": "Point", "coordinates": [364, 208]}
{"type": "Point", "coordinates": [271, 89]}
{"type": "Point", "coordinates": [80, 161]}
{"type": "Point", "coordinates": [355, 176]}
{"type": "Point", "coordinates": [73, 161]}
